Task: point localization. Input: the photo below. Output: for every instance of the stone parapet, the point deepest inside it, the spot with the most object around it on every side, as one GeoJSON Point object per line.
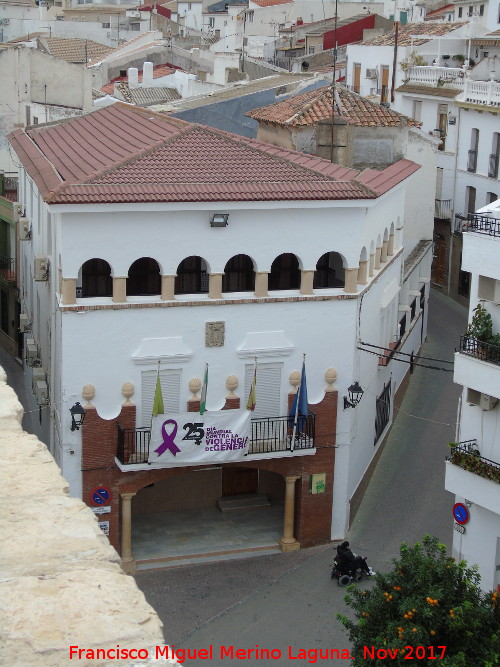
{"type": "Point", "coordinates": [62, 584]}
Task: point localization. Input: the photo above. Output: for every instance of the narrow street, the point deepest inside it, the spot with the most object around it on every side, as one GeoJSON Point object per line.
{"type": "Point", "coordinates": [287, 600]}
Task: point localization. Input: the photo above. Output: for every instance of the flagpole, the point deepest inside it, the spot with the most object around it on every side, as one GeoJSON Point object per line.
{"type": "Point", "coordinates": [292, 444]}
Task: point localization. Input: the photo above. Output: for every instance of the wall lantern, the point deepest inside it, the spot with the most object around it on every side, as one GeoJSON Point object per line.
{"type": "Point", "coordinates": [77, 416]}
{"type": "Point", "coordinates": [355, 394]}
{"type": "Point", "coordinates": [219, 220]}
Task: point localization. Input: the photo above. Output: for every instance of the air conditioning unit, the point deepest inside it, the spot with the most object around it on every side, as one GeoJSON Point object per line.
{"type": "Point", "coordinates": [23, 229]}
{"type": "Point", "coordinates": [31, 352]}
{"type": "Point", "coordinates": [487, 402]}
{"type": "Point", "coordinates": [41, 393]}
{"type": "Point", "coordinates": [24, 323]}
{"type": "Point", "coordinates": [41, 268]}
{"type": "Point", "coordinates": [37, 375]}
{"type": "Point", "coordinates": [371, 74]}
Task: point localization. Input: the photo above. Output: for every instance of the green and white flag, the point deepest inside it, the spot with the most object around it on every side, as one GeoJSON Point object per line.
{"type": "Point", "coordinates": [158, 399]}
{"type": "Point", "coordinates": [203, 402]}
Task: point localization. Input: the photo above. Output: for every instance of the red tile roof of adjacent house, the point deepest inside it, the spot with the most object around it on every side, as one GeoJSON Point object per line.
{"type": "Point", "coordinates": [158, 71]}
{"type": "Point", "coordinates": [74, 49]}
{"type": "Point", "coordinates": [406, 34]}
{"type": "Point", "coordinates": [128, 154]}
{"type": "Point", "coordinates": [316, 105]}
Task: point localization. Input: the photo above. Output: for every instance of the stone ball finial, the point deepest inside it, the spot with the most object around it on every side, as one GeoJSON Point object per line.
{"type": "Point", "coordinates": [194, 388]}
{"type": "Point", "coordinates": [231, 385]}
{"type": "Point", "coordinates": [294, 380]}
{"type": "Point", "coordinates": [127, 391]}
{"type": "Point", "coordinates": [88, 393]}
{"type": "Point", "coordinates": [330, 377]}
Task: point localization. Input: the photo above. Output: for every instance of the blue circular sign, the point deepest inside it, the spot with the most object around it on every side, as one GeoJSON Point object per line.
{"type": "Point", "coordinates": [101, 495]}
{"type": "Point", "coordinates": [460, 513]}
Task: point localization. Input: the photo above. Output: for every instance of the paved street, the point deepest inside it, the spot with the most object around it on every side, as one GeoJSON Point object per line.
{"type": "Point", "coordinates": [289, 600]}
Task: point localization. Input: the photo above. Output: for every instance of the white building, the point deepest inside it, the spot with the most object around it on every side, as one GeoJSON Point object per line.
{"type": "Point", "coordinates": [182, 244]}
{"type": "Point", "coordinates": [473, 473]}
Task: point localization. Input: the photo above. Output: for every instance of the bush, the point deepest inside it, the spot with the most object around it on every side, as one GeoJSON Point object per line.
{"type": "Point", "coordinates": [427, 601]}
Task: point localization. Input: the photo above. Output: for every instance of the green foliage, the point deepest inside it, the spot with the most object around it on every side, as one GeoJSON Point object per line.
{"type": "Point", "coordinates": [413, 60]}
{"type": "Point", "coordinates": [428, 600]}
{"type": "Point", "coordinates": [481, 327]}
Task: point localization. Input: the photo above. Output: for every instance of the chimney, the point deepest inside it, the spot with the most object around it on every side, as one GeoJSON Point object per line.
{"type": "Point", "coordinates": [133, 77]}
{"type": "Point", "coordinates": [147, 75]}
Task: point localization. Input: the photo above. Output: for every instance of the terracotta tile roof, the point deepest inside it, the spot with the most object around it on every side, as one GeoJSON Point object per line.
{"type": "Point", "coordinates": [428, 31]}
{"type": "Point", "coordinates": [438, 12]}
{"type": "Point", "coordinates": [75, 50]}
{"type": "Point", "coordinates": [28, 37]}
{"type": "Point", "coordinates": [158, 71]}
{"type": "Point", "coordinates": [270, 3]}
{"type": "Point", "coordinates": [145, 96]}
{"type": "Point", "coordinates": [316, 105]}
{"type": "Point", "coordinates": [415, 89]}
{"type": "Point", "coordinates": [128, 154]}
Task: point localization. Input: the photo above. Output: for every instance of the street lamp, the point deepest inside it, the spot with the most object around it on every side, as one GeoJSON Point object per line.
{"type": "Point", "coordinates": [77, 416]}
{"type": "Point", "coordinates": [355, 394]}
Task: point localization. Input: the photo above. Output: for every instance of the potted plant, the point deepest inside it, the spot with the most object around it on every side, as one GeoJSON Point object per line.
{"type": "Point", "coordinates": [479, 333]}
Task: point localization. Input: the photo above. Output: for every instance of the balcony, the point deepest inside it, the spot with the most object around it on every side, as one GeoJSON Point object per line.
{"type": "Point", "coordinates": [442, 209]}
{"type": "Point", "coordinates": [475, 222]}
{"type": "Point", "coordinates": [467, 456]}
{"type": "Point", "coordinates": [7, 269]}
{"type": "Point", "coordinates": [428, 75]}
{"type": "Point", "coordinates": [268, 436]}
{"type": "Point", "coordinates": [484, 93]}
{"type": "Point", "coordinates": [476, 348]}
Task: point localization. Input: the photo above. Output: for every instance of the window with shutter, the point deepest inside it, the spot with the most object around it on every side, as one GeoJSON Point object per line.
{"type": "Point", "coordinates": [170, 381]}
{"type": "Point", "coordinates": [268, 393]}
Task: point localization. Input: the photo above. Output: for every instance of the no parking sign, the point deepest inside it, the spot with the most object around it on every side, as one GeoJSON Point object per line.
{"type": "Point", "coordinates": [101, 495]}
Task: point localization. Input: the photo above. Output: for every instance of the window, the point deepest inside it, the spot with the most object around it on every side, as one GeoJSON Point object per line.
{"type": "Point", "coordinates": [311, 50]}
{"type": "Point", "coordinates": [442, 125]}
{"type": "Point", "coordinates": [250, 17]}
{"type": "Point", "coordinates": [329, 271]}
{"type": "Point", "coordinates": [470, 199]}
{"type": "Point", "coordinates": [123, 72]}
{"type": "Point", "coordinates": [491, 197]}
{"type": "Point", "coordinates": [239, 275]}
{"type": "Point", "coordinates": [268, 392]}
{"type": "Point", "coordinates": [417, 110]}
{"type": "Point", "coordinates": [382, 410]}
{"type": "Point", "coordinates": [471, 10]}
{"type": "Point", "coordinates": [35, 120]}
{"type": "Point", "coordinates": [285, 273]}
{"type": "Point", "coordinates": [211, 22]}
{"type": "Point", "coordinates": [105, 25]}
{"type": "Point", "coordinates": [472, 156]}
{"type": "Point", "coordinates": [144, 277]}
{"type": "Point", "coordinates": [494, 156]}
{"type": "Point", "coordinates": [356, 77]}
{"type": "Point", "coordinates": [192, 276]}
{"type": "Point", "coordinates": [481, 10]}
{"type": "Point", "coordinates": [170, 382]}
{"type": "Point", "coordinates": [460, 11]}
{"type": "Point", "coordinates": [95, 279]}
{"type": "Point", "coordinates": [28, 115]}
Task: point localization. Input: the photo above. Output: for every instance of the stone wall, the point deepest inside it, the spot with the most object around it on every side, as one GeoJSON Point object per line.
{"type": "Point", "coordinates": [62, 585]}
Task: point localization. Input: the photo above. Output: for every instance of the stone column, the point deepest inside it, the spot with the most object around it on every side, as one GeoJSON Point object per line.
{"type": "Point", "coordinates": [390, 246]}
{"type": "Point", "coordinates": [383, 252]}
{"type": "Point", "coordinates": [288, 541]}
{"type": "Point", "coordinates": [261, 283]}
{"type": "Point", "coordinates": [215, 285]}
{"type": "Point", "coordinates": [363, 272]}
{"type": "Point", "coordinates": [378, 252]}
{"type": "Point", "coordinates": [68, 291]}
{"type": "Point", "coordinates": [306, 282]}
{"type": "Point", "coordinates": [128, 561]}
{"type": "Point", "coordinates": [120, 289]}
{"type": "Point", "coordinates": [371, 268]}
{"type": "Point", "coordinates": [351, 280]}
{"type": "Point", "coordinates": [168, 288]}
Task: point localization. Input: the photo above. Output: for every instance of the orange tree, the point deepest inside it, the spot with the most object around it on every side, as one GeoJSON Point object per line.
{"type": "Point", "coordinates": [427, 610]}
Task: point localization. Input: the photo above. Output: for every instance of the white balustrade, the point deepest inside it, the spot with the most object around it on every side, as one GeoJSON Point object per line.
{"type": "Point", "coordinates": [436, 76]}
{"type": "Point", "coordinates": [482, 92]}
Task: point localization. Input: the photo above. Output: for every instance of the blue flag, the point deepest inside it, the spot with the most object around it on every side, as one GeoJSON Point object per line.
{"type": "Point", "coordinates": [300, 407]}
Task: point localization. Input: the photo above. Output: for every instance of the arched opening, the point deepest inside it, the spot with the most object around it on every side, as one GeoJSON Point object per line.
{"type": "Point", "coordinates": [144, 278]}
{"type": "Point", "coordinates": [285, 272]}
{"type": "Point", "coordinates": [192, 276]}
{"type": "Point", "coordinates": [95, 279]}
{"type": "Point", "coordinates": [329, 271]}
{"type": "Point", "coordinates": [239, 275]}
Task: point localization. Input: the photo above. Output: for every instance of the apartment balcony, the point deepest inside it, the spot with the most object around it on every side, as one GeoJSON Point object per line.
{"type": "Point", "coordinates": [470, 475]}
{"type": "Point", "coordinates": [481, 244]}
{"type": "Point", "coordinates": [428, 75]}
{"type": "Point", "coordinates": [269, 438]}
{"type": "Point", "coordinates": [483, 93]}
{"type": "Point", "coordinates": [7, 269]}
{"type": "Point", "coordinates": [442, 209]}
{"type": "Point", "coordinates": [475, 222]}
{"type": "Point", "coordinates": [477, 365]}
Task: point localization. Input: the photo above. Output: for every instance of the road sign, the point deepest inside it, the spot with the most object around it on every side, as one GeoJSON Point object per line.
{"type": "Point", "coordinates": [101, 509]}
{"type": "Point", "coordinates": [101, 495]}
{"type": "Point", "coordinates": [460, 513]}
{"type": "Point", "coordinates": [104, 526]}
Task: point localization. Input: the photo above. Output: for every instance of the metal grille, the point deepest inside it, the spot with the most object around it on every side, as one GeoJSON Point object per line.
{"type": "Point", "coordinates": [383, 411]}
{"type": "Point", "coordinates": [476, 348]}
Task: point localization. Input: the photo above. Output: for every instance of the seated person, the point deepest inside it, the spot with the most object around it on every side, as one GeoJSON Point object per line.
{"type": "Point", "coordinates": [348, 559]}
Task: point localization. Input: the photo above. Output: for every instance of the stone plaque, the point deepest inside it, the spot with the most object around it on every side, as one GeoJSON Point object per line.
{"type": "Point", "coordinates": [214, 334]}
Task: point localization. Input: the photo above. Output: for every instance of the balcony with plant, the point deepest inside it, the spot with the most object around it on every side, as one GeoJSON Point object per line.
{"type": "Point", "coordinates": [467, 456]}
{"type": "Point", "coordinates": [479, 340]}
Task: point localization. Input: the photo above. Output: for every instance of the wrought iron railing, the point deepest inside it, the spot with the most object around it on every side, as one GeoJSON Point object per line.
{"type": "Point", "coordinates": [472, 161]}
{"type": "Point", "coordinates": [476, 348]}
{"type": "Point", "coordinates": [7, 268]}
{"type": "Point", "coordinates": [268, 435]}
{"type": "Point", "coordinates": [442, 209]}
{"type": "Point", "coordinates": [475, 222]}
{"type": "Point", "coordinates": [383, 411]}
{"type": "Point", "coordinates": [467, 455]}
{"type": "Point", "coordinates": [493, 165]}
{"type": "Point", "coordinates": [460, 222]}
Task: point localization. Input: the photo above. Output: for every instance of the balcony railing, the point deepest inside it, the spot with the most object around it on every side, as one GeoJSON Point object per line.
{"type": "Point", "coordinates": [268, 435]}
{"type": "Point", "coordinates": [467, 456]}
{"type": "Point", "coordinates": [8, 268]}
{"type": "Point", "coordinates": [475, 222]}
{"type": "Point", "coordinates": [442, 209]}
{"type": "Point", "coordinates": [493, 165]}
{"type": "Point", "coordinates": [429, 75]}
{"type": "Point", "coordinates": [472, 161]}
{"type": "Point", "coordinates": [473, 347]}
{"type": "Point", "coordinates": [481, 92]}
